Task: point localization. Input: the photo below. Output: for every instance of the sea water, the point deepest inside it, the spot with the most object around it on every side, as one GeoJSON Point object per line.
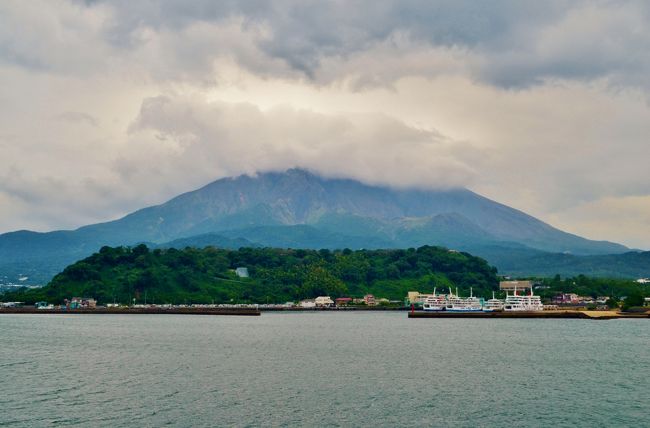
{"type": "Point", "coordinates": [321, 369]}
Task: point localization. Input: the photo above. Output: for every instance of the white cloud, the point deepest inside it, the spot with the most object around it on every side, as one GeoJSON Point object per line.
{"type": "Point", "coordinates": [240, 138]}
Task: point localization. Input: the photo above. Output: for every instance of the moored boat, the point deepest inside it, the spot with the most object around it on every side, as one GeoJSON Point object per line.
{"type": "Point", "coordinates": [523, 303]}
{"type": "Point", "coordinates": [456, 303]}
{"type": "Point", "coordinates": [493, 305]}
{"type": "Point", "coordinates": [434, 303]}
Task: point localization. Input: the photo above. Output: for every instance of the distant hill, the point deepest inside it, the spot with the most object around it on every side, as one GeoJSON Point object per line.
{"type": "Point", "coordinates": [207, 275]}
{"type": "Point", "coordinates": [302, 210]}
{"type": "Point", "coordinates": [527, 262]}
{"type": "Point", "coordinates": [207, 240]}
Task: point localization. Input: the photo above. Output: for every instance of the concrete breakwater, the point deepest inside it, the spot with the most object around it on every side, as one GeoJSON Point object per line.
{"type": "Point", "coordinates": [150, 311]}
{"type": "Point", "coordinates": [594, 315]}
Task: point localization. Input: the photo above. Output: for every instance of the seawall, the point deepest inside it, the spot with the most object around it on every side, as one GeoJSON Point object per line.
{"type": "Point", "coordinates": [135, 311]}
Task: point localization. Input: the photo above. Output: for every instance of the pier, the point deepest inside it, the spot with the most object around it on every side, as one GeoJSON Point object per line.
{"type": "Point", "coordinates": [136, 311]}
{"type": "Point", "coordinates": [593, 315]}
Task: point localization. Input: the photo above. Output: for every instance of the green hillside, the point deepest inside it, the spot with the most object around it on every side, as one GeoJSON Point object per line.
{"type": "Point", "coordinates": [207, 275]}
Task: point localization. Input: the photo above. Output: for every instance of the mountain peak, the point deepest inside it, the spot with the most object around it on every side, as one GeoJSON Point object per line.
{"type": "Point", "coordinates": [301, 208]}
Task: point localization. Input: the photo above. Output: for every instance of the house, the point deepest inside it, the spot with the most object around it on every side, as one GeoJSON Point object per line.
{"type": "Point", "coordinates": [566, 299]}
{"type": "Point", "coordinates": [242, 272]}
{"type": "Point", "coordinates": [324, 302]}
{"type": "Point", "coordinates": [343, 301]}
{"type": "Point", "coordinates": [369, 300]}
{"type": "Point", "coordinates": [307, 304]}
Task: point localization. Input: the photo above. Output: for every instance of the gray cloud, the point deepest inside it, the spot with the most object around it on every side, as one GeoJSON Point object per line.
{"type": "Point", "coordinates": [517, 44]}
{"type": "Point", "coordinates": [231, 139]}
{"type": "Point", "coordinates": [108, 106]}
{"type": "Point", "coordinates": [507, 43]}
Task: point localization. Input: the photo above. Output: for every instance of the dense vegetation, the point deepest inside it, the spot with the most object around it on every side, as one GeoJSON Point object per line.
{"type": "Point", "coordinates": [594, 287]}
{"type": "Point", "coordinates": [207, 275]}
{"type": "Point", "coordinates": [620, 292]}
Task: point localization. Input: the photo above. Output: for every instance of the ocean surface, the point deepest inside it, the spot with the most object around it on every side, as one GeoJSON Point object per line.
{"type": "Point", "coordinates": [321, 369]}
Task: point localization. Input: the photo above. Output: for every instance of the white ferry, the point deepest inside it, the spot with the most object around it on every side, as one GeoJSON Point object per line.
{"type": "Point", "coordinates": [493, 305]}
{"type": "Point", "coordinates": [434, 303]}
{"type": "Point", "coordinates": [523, 303]}
{"type": "Point", "coordinates": [455, 303]}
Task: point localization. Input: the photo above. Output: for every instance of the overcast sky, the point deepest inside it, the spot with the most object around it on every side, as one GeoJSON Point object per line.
{"type": "Point", "coordinates": [107, 107]}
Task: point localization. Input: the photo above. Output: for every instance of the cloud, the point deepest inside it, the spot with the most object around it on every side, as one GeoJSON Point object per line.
{"type": "Point", "coordinates": [511, 44]}
{"type": "Point", "coordinates": [78, 117]}
{"type": "Point", "coordinates": [514, 43]}
{"type": "Point", "coordinates": [235, 138]}
{"type": "Point", "coordinates": [109, 106]}
{"type": "Point", "coordinates": [594, 219]}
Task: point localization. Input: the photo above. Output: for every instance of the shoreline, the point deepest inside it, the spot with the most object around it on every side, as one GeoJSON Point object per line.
{"type": "Point", "coordinates": [558, 314]}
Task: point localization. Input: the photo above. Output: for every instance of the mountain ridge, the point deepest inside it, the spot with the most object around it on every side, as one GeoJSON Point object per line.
{"type": "Point", "coordinates": [299, 208]}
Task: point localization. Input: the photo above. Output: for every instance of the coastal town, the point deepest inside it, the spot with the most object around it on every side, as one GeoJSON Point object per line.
{"type": "Point", "coordinates": [514, 291]}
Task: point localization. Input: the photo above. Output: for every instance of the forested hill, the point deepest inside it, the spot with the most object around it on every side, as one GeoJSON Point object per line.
{"type": "Point", "coordinates": [276, 275]}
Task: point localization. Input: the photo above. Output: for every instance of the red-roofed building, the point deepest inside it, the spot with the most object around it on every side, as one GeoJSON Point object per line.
{"type": "Point", "coordinates": [343, 301]}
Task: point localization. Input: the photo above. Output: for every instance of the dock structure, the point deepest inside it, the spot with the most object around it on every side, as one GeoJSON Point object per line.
{"type": "Point", "coordinates": [135, 311]}
{"type": "Point", "coordinates": [595, 315]}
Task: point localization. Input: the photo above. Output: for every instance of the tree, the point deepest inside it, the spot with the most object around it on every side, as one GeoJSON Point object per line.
{"type": "Point", "coordinates": [319, 281]}
{"type": "Point", "coordinates": [634, 299]}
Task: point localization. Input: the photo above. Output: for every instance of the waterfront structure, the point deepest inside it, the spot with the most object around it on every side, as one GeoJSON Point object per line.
{"type": "Point", "coordinates": [81, 302]}
{"type": "Point", "coordinates": [417, 298]}
{"type": "Point", "coordinates": [434, 302]}
{"type": "Point", "coordinates": [455, 303]}
{"type": "Point", "coordinates": [13, 304]}
{"type": "Point", "coordinates": [307, 304]}
{"type": "Point", "coordinates": [343, 301]}
{"type": "Point", "coordinates": [323, 302]}
{"type": "Point", "coordinates": [566, 299]}
{"type": "Point", "coordinates": [515, 285]}
{"type": "Point", "coordinates": [45, 307]}
{"type": "Point", "coordinates": [369, 300]}
{"type": "Point", "coordinates": [493, 304]}
{"type": "Point", "coordinates": [528, 302]}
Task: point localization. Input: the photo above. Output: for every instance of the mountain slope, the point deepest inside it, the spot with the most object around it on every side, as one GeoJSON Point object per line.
{"type": "Point", "coordinates": [299, 209]}
{"type": "Point", "coordinates": [299, 197]}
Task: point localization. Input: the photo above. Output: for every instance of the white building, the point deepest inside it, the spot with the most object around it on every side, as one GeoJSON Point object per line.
{"type": "Point", "coordinates": [324, 301]}
{"type": "Point", "coordinates": [242, 272]}
{"type": "Point", "coordinates": [415, 297]}
{"type": "Point", "coordinates": [307, 304]}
